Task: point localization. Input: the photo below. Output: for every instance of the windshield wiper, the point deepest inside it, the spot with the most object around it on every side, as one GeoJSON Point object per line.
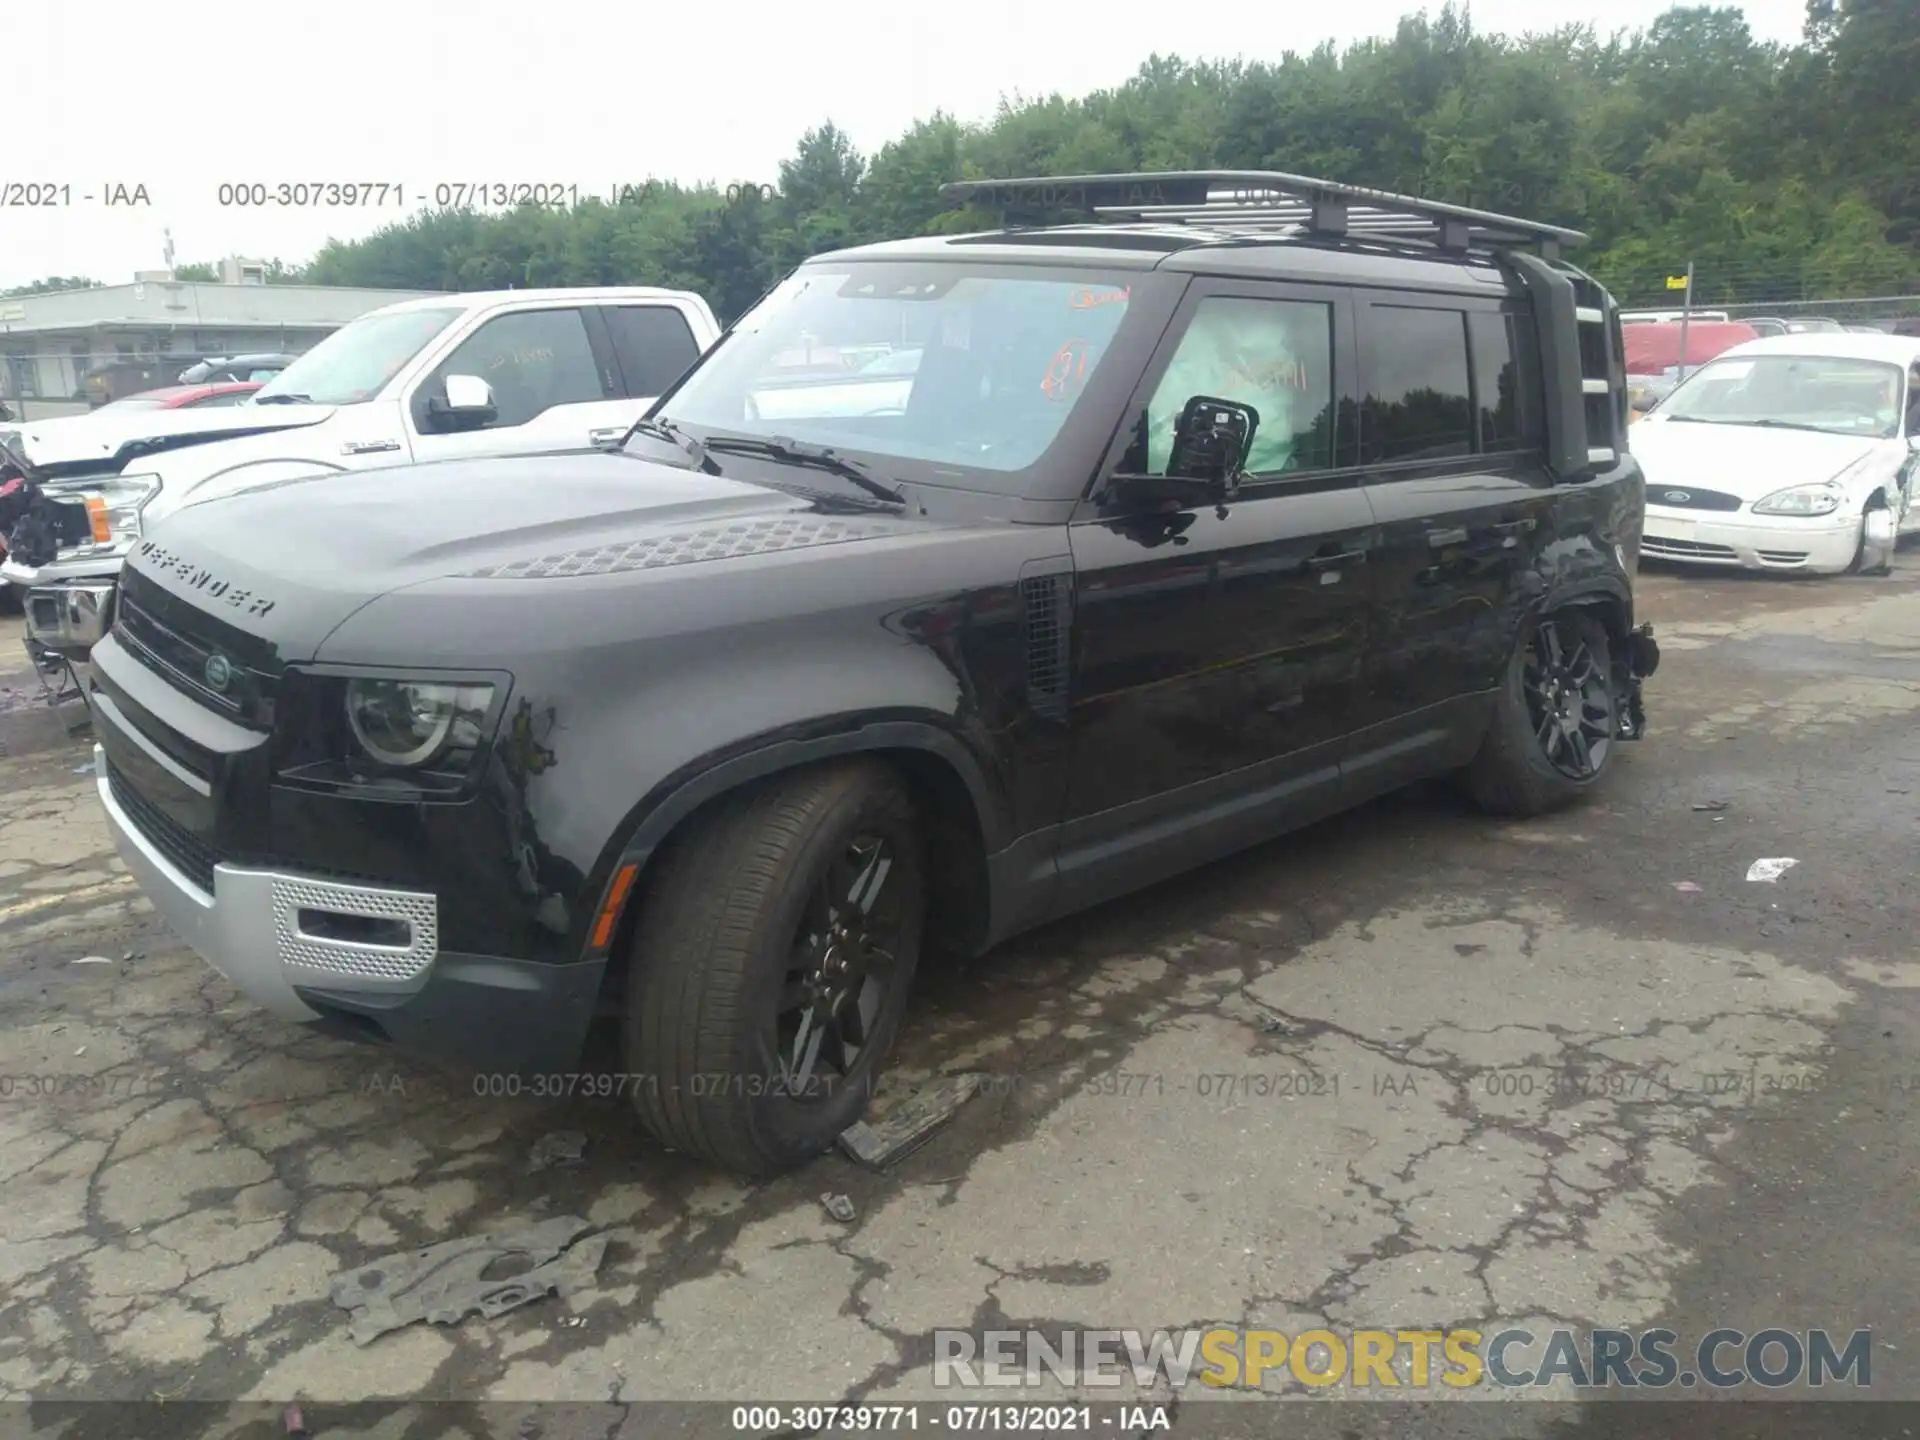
{"type": "Point", "coordinates": [283, 398]}
{"type": "Point", "coordinates": [820, 457]}
{"type": "Point", "coordinates": [671, 433]}
{"type": "Point", "coordinates": [1769, 423]}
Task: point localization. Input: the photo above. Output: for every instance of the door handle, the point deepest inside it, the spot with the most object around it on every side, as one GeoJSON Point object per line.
{"type": "Point", "coordinates": [1339, 557]}
{"type": "Point", "coordinates": [606, 435]}
{"type": "Point", "coordinates": [1509, 529]}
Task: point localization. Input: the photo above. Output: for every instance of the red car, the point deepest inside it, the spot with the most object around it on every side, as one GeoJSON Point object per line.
{"type": "Point", "coordinates": [181, 397]}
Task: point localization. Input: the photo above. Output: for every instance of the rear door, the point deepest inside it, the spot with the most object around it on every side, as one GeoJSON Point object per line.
{"type": "Point", "coordinates": [554, 382]}
{"type": "Point", "coordinates": [1452, 453]}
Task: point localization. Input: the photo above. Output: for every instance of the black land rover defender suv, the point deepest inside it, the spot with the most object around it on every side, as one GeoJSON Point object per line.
{"type": "Point", "coordinates": [969, 581]}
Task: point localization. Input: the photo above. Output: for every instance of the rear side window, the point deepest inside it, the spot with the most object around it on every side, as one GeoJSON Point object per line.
{"type": "Point", "coordinates": [654, 345]}
{"type": "Point", "coordinates": [1506, 381]}
{"type": "Point", "coordinates": [1419, 402]}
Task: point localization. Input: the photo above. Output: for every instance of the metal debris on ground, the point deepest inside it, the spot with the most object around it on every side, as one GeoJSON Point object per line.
{"type": "Point", "coordinates": [1686, 887]}
{"type": "Point", "coordinates": [1768, 871]}
{"type": "Point", "coordinates": [840, 1207]}
{"type": "Point", "coordinates": [93, 960]}
{"type": "Point", "coordinates": [1710, 805]}
{"type": "Point", "coordinates": [562, 1147]}
{"type": "Point", "coordinates": [445, 1283]}
{"type": "Point", "coordinates": [908, 1125]}
{"type": "Point", "coordinates": [294, 1422]}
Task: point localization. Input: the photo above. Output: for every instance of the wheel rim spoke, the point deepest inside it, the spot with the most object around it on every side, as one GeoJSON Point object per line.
{"type": "Point", "coordinates": [870, 871]}
{"type": "Point", "coordinates": [1550, 643]}
{"type": "Point", "coordinates": [806, 1050]}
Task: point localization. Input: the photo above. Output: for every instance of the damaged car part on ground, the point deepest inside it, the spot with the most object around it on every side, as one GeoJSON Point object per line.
{"type": "Point", "coordinates": [1086, 555]}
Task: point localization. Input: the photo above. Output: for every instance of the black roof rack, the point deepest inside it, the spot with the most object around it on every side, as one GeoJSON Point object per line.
{"type": "Point", "coordinates": [1261, 202]}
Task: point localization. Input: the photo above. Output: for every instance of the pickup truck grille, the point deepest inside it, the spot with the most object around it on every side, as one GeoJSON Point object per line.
{"type": "Point", "coordinates": [191, 855]}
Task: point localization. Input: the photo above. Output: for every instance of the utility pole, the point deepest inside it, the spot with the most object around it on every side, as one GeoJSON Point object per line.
{"type": "Point", "coordinates": [1686, 311]}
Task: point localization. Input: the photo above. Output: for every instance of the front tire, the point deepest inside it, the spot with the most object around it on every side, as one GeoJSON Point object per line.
{"type": "Point", "coordinates": [1555, 720]}
{"type": "Point", "coordinates": [1869, 557]}
{"type": "Point", "coordinates": [770, 966]}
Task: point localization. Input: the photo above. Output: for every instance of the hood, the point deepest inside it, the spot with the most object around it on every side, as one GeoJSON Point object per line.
{"type": "Point", "coordinates": [103, 444]}
{"type": "Point", "coordinates": [290, 561]}
{"type": "Point", "coordinates": [1745, 460]}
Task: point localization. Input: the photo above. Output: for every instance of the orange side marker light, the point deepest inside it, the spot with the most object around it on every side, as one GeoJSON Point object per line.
{"type": "Point", "coordinates": [616, 900]}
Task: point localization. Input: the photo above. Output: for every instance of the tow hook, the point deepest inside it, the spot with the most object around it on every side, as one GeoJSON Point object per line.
{"type": "Point", "coordinates": [1643, 658]}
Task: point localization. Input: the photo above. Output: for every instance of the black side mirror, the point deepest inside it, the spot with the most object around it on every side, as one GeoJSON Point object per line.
{"type": "Point", "coordinates": [1211, 442]}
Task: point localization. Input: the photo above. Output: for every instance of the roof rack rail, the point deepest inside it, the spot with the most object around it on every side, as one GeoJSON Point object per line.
{"type": "Point", "coordinates": [1263, 201]}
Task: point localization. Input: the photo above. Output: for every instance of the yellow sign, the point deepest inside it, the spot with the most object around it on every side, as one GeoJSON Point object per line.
{"type": "Point", "coordinates": [1676, 282]}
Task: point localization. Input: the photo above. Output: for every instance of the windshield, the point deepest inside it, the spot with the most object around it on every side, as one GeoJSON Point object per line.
{"type": "Point", "coordinates": [355, 362]}
{"type": "Point", "coordinates": [1807, 392]}
{"type": "Point", "coordinates": [974, 366]}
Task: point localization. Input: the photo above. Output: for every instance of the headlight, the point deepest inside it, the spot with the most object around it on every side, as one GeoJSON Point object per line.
{"type": "Point", "coordinates": [1805, 500]}
{"type": "Point", "coordinates": [404, 723]}
{"type": "Point", "coordinates": [115, 508]}
{"type": "Point", "coordinates": [391, 736]}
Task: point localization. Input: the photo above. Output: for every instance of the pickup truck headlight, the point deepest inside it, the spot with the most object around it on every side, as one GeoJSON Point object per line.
{"type": "Point", "coordinates": [114, 511]}
{"type": "Point", "coordinates": [403, 737]}
{"type": "Point", "coordinates": [1803, 500]}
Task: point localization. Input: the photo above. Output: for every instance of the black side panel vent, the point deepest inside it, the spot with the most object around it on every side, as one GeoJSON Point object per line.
{"type": "Point", "coordinates": [1046, 603]}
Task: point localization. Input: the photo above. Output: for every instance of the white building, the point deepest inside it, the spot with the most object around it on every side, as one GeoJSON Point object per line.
{"type": "Point", "coordinates": [48, 343]}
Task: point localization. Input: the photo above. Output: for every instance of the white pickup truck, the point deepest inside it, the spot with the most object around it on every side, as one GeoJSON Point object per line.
{"type": "Point", "coordinates": [496, 373]}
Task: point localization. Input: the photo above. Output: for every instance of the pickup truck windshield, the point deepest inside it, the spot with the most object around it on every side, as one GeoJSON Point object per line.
{"type": "Point", "coordinates": [959, 365]}
{"type": "Point", "coordinates": [354, 363]}
{"type": "Point", "coordinates": [1803, 392]}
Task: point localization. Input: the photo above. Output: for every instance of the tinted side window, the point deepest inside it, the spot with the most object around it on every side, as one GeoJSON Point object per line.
{"type": "Point", "coordinates": [533, 359]}
{"type": "Point", "coordinates": [1506, 381]}
{"type": "Point", "coordinates": [1275, 355]}
{"type": "Point", "coordinates": [654, 345]}
{"type": "Point", "coordinates": [1419, 405]}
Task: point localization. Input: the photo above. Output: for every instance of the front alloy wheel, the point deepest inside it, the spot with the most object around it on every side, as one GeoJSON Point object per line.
{"type": "Point", "coordinates": [844, 962]}
{"type": "Point", "coordinates": [770, 962]}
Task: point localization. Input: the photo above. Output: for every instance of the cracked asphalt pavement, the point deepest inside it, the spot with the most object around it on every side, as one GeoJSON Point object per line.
{"type": "Point", "coordinates": [1411, 1069]}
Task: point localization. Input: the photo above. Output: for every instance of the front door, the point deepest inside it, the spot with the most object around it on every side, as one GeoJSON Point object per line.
{"type": "Point", "coordinates": [554, 381]}
{"type": "Point", "coordinates": [1218, 650]}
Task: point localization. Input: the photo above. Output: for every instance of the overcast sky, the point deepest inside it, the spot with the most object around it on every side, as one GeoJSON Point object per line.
{"type": "Point", "coordinates": [561, 91]}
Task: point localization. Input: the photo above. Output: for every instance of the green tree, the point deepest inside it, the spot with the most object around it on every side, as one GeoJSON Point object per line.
{"type": "Point", "coordinates": [52, 285]}
{"type": "Point", "coordinates": [1782, 172]}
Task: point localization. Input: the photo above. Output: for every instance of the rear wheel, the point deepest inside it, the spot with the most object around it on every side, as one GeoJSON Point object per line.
{"type": "Point", "coordinates": [1555, 720]}
{"type": "Point", "coordinates": [770, 966]}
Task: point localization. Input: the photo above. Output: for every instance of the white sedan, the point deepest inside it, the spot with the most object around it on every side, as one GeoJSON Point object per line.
{"type": "Point", "coordinates": [1796, 453]}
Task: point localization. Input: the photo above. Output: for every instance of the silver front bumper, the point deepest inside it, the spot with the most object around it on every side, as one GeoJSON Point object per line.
{"type": "Point", "coordinates": [69, 617]}
{"type": "Point", "coordinates": [261, 928]}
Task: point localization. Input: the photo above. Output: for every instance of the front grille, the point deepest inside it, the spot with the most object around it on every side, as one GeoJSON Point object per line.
{"type": "Point", "coordinates": [179, 643]}
{"type": "Point", "coordinates": [191, 855]}
{"type": "Point", "coordinates": [1677, 497]}
{"type": "Point", "coordinates": [1782, 557]}
{"type": "Point", "coordinates": [1684, 549]}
